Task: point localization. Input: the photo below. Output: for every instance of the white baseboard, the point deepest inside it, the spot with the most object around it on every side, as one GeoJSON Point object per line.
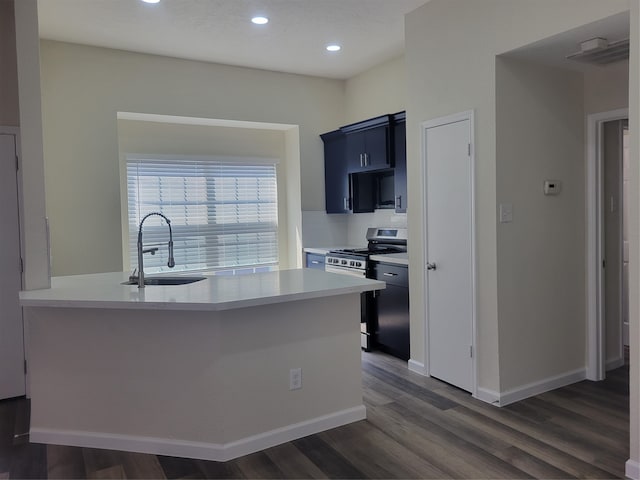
{"type": "Point", "coordinates": [417, 367]}
{"type": "Point", "coordinates": [536, 388]}
{"type": "Point", "coordinates": [200, 450]}
{"type": "Point", "coordinates": [488, 396]}
{"type": "Point", "coordinates": [614, 363]}
{"type": "Point", "coordinates": [632, 469]}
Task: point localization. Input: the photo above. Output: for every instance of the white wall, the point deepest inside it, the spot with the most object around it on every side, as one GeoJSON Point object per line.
{"type": "Point", "coordinates": [378, 91]}
{"type": "Point", "coordinates": [541, 271]}
{"type": "Point", "coordinates": [606, 88]}
{"type": "Point", "coordinates": [145, 137]}
{"type": "Point", "coordinates": [460, 77]}
{"type": "Point", "coordinates": [84, 87]}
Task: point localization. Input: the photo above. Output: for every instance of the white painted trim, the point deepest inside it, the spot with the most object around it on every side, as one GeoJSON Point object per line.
{"type": "Point", "coordinates": [488, 396]}
{"type": "Point", "coordinates": [536, 388]}
{"type": "Point", "coordinates": [595, 303]}
{"type": "Point", "coordinates": [202, 121]}
{"type": "Point", "coordinates": [200, 450]}
{"type": "Point", "coordinates": [446, 120]}
{"type": "Point", "coordinates": [614, 363]}
{"type": "Point", "coordinates": [632, 469]}
{"type": "Point", "coordinates": [417, 367]}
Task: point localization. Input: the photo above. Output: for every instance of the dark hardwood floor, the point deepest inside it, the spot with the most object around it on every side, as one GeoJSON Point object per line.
{"type": "Point", "coordinates": [417, 427]}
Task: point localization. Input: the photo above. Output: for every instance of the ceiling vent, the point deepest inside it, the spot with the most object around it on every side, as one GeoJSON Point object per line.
{"type": "Point", "coordinates": [600, 52]}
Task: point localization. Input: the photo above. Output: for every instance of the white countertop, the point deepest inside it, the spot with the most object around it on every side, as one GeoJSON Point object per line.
{"type": "Point", "coordinates": [395, 258]}
{"type": "Point", "coordinates": [104, 290]}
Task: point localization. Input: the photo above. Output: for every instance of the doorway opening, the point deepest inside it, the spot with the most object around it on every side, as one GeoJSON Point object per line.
{"type": "Point", "coordinates": [607, 244]}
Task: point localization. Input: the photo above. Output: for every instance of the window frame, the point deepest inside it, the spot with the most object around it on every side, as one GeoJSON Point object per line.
{"type": "Point", "coordinates": [125, 158]}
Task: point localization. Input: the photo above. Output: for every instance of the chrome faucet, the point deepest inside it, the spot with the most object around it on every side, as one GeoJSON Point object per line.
{"type": "Point", "coordinates": [141, 251]}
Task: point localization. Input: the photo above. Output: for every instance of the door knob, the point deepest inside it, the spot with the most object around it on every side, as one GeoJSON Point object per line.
{"type": "Point", "coordinates": [431, 266]}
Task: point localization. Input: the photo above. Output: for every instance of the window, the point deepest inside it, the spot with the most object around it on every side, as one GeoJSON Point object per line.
{"type": "Point", "coordinates": [224, 214]}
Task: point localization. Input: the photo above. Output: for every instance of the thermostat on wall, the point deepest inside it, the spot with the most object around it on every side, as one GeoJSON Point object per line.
{"type": "Point", "coordinates": [552, 187]}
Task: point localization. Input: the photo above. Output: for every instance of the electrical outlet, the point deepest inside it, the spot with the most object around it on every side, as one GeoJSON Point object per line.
{"type": "Point", "coordinates": [295, 378]}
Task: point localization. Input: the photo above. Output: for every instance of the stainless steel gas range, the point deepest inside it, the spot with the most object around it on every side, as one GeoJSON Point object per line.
{"type": "Point", "coordinates": [380, 241]}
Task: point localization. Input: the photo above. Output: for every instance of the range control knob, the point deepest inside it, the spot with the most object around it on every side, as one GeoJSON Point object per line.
{"type": "Point", "coordinates": [344, 262]}
{"type": "Point", "coordinates": [358, 264]}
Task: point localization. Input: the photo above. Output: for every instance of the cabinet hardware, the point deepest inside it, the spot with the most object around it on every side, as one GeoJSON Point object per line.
{"type": "Point", "coordinates": [431, 266]}
{"type": "Point", "coordinates": [361, 161]}
{"type": "Point", "coordinates": [387, 274]}
{"type": "Point", "coordinates": [315, 262]}
{"type": "Point", "coordinates": [366, 159]}
{"type": "Point", "coordinates": [346, 203]}
{"type": "Point", "coordinates": [398, 201]}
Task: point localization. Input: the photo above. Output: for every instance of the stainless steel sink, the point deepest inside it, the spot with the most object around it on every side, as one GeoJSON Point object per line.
{"type": "Point", "coordinates": [166, 280]}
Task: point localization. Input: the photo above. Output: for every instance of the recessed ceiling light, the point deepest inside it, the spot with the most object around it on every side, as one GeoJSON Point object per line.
{"type": "Point", "coordinates": [151, 1]}
{"type": "Point", "coordinates": [260, 20]}
{"type": "Point", "coordinates": [334, 48]}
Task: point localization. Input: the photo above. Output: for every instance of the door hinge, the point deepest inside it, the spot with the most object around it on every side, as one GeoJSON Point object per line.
{"type": "Point", "coordinates": [469, 149]}
{"type": "Point", "coordinates": [471, 351]}
{"type": "Point", "coordinates": [604, 263]}
{"type": "Point", "coordinates": [17, 163]}
{"type": "Point", "coordinates": [21, 265]}
{"type": "Point", "coordinates": [25, 366]}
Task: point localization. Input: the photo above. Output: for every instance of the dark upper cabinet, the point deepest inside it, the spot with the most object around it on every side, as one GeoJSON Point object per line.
{"type": "Point", "coordinates": [336, 173]}
{"type": "Point", "coordinates": [368, 144]}
{"type": "Point", "coordinates": [365, 166]}
{"type": "Point", "coordinates": [400, 164]}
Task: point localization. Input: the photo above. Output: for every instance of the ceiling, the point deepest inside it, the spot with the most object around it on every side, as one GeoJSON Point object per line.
{"type": "Point", "coordinates": [220, 31]}
{"type": "Point", "coordinates": [552, 51]}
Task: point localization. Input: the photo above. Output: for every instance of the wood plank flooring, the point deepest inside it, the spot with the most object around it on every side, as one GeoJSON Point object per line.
{"type": "Point", "coordinates": [416, 427]}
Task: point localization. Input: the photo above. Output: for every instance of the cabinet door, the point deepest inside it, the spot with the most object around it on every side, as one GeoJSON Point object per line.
{"type": "Point", "coordinates": [355, 148]}
{"type": "Point", "coordinates": [392, 333]}
{"type": "Point", "coordinates": [336, 176]}
{"type": "Point", "coordinates": [392, 307]}
{"type": "Point", "coordinates": [368, 149]}
{"type": "Point", "coordinates": [314, 260]}
{"type": "Point", "coordinates": [376, 147]}
{"type": "Point", "coordinates": [400, 170]}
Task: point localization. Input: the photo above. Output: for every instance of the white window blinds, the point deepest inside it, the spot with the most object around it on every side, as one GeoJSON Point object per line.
{"type": "Point", "coordinates": [224, 215]}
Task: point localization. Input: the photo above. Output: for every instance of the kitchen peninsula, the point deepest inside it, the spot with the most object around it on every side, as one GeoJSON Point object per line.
{"type": "Point", "coordinates": [207, 370]}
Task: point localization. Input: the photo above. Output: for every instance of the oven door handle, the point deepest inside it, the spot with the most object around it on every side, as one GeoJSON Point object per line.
{"type": "Point", "coordinates": [345, 271]}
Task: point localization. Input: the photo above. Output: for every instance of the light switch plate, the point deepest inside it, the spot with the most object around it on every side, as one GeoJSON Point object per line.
{"type": "Point", "coordinates": [506, 213]}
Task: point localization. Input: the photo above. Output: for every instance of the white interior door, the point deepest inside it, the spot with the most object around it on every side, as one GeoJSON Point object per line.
{"type": "Point", "coordinates": [450, 270]}
{"type": "Point", "coordinates": [12, 380]}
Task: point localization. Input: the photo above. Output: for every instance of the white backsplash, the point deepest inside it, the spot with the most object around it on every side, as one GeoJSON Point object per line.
{"type": "Point", "coordinates": [358, 224]}
{"type": "Point", "coordinates": [322, 230]}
